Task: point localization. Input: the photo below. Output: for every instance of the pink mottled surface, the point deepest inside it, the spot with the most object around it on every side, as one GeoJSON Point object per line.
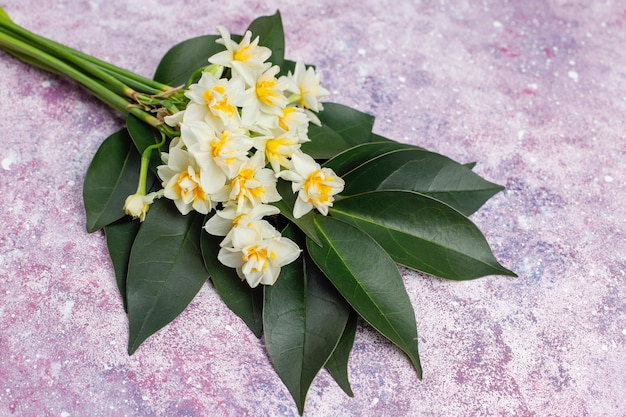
{"type": "Point", "coordinates": [533, 90]}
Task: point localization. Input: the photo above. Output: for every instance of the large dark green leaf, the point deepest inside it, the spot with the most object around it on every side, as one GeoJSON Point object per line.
{"type": "Point", "coordinates": [421, 233]}
{"type": "Point", "coordinates": [337, 364]}
{"type": "Point", "coordinates": [425, 172]}
{"type": "Point", "coordinates": [285, 205]}
{"type": "Point", "coordinates": [325, 142]}
{"type": "Point", "coordinates": [185, 58]}
{"type": "Point", "coordinates": [144, 136]}
{"type": "Point", "coordinates": [111, 177]}
{"type": "Point", "coordinates": [165, 271]}
{"type": "Point", "coordinates": [120, 237]}
{"type": "Point", "coordinates": [244, 301]}
{"type": "Point", "coordinates": [269, 29]}
{"type": "Point", "coordinates": [369, 280]}
{"type": "Point", "coordinates": [351, 158]}
{"type": "Point", "coordinates": [353, 125]}
{"type": "Point", "coordinates": [303, 318]}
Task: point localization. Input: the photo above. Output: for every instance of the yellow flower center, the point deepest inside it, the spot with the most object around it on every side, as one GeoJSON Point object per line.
{"type": "Point", "coordinates": [242, 54]}
{"type": "Point", "coordinates": [258, 257]}
{"type": "Point", "coordinates": [220, 105]}
{"type": "Point", "coordinates": [282, 120]}
{"type": "Point", "coordinates": [188, 188]}
{"type": "Point", "coordinates": [316, 188]}
{"type": "Point", "coordinates": [247, 174]}
{"type": "Point", "coordinates": [265, 91]}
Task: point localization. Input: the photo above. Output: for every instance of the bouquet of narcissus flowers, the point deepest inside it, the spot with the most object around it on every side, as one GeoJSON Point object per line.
{"type": "Point", "coordinates": [234, 168]}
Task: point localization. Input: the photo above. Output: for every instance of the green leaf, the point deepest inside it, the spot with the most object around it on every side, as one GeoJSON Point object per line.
{"type": "Point", "coordinates": [165, 271]}
{"type": "Point", "coordinates": [111, 177]}
{"type": "Point", "coordinates": [120, 237]}
{"type": "Point", "coordinates": [379, 138]}
{"type": "Point", "coordinates": [285, 205]}
{"type": "Point", "coordinates": [421, 233]}
{"type": "Point", "coordinates": [269, 29]}
{"type": "Point", "coordinates": [143, 136]}
{"type": "Point", "coordinates": [324, 142]}
{"type": "Point", "coordinates": [303, 318]}
{"type": "Point", "coordinates": [425, 172]}
{"type": "Point", "coordinates": [185, 58]}
{"type": "Point", "coordinates": [244, 301]}
{"type": "Point", "coordinates": [351, 158]}
{"type": "Point", "coordinates": [288, 66]}
{"type": "Point", "coordinates": [369, 280]}
{"type": "Point", "coordinates": [353, 125]}
{"type": "Point", "coordinates": [337, 364]}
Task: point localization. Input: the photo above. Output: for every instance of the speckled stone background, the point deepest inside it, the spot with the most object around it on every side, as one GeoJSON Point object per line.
{"type": "Point", "coordinates": [533, 90]}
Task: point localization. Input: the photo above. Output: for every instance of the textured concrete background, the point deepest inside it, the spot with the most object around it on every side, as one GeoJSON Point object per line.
{"type": "Point", "coordinates": [533, 90]}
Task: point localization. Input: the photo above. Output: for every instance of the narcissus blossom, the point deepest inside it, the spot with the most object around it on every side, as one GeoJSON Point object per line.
{"type": "Point", "coordinates": [219, 154]}
{"type": "Point", "coordinates": [253, 185]}
{"type": "Point", "coordinates": [182, 183]}
{"type": "Point", "coordinates": [304, 83]}
{"type": "Point", "coordinates": [315, 185]}
{"type": "Point", "coordinates": [137, 205]}
{"type": "Point", "coordinates": [215, 100]}
{"type": "Point", "coordinates": [278, 149]}
{"type": "Point", "coordinates": [246, 59]}
{"type": "Point", "coordinates": [266, 95]}
{"type": "Point", "coordinates": [258, 252]}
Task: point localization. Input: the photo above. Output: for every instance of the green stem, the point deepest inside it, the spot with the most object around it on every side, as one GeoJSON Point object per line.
{"type": "Point", "coordinates": [43, 60]}
{"type": "Point", "coordinates": [145, 163]}
{"type": "Point", "coordinates": [143, 83]}
{"type": "Point", "coordinates": [63, 53]}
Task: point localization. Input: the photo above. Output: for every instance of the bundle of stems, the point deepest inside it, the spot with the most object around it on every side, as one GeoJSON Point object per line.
{"type": "Point", "coordinates": [129, 93]}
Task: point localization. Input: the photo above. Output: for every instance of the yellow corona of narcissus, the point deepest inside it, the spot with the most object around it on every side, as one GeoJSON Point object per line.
{"type": "Point", "coordinates": [316, 186]}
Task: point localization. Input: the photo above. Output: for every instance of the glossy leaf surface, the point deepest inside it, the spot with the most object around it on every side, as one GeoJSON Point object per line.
{"type": "Point", "coordinates": [425, 172]}
{"type": "Point", "coordinates": [165, 271]}
{"type": "Point", "coordinates": [352, 158]}
{"type": "Point", "coordinates": [185, 58]}
{"type": "Point", "coordinates": [421, 233]}
{"type": "Point", "coordinates": [111, 177]}
{"type": "Point", "coordinates": [303, 318]}
{"type": "Point", "coordinates": [337, 364]}
{"type": "Point", "coordinates": [120, 237]}
{"type": "Point", "coordinates": [325, 142]}
{"type": "Point", "coordinates": [369, 280]}
{"type": "Point", "coordinates": [353, 125]}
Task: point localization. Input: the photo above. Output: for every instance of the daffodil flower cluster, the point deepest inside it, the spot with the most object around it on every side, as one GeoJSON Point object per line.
{"type": "Point", "coordinates": [238, 135]}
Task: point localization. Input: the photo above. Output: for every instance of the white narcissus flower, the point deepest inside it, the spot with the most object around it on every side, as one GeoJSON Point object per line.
{"type": "Point", "coordinates": [137, 205]}
{"type": "Point", "coordinates": [182, 183]}
{"type": "Point", "coordinates": [315, 185]}
{"type": "Point", "coordinates": [295, 121]}
{"type": "Point", "coordinates": [224, 220]}
{"type": "Point", "coordinates": [304, 83]}
{"type": "Point", "coordinates": [278, 149]}
{"type": "Point", "coordinates": [246, 59]}
{"type": "Point", "coordinates": [215, 101]}
{"type": "Point", "coordinates": [258, 252]}
{"type": "Point", "coordinates": [253, 185]}
{"type": "Point", "coordinates": [219, 154]}
{"type": "Point", "coordinates": [266, 96]}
